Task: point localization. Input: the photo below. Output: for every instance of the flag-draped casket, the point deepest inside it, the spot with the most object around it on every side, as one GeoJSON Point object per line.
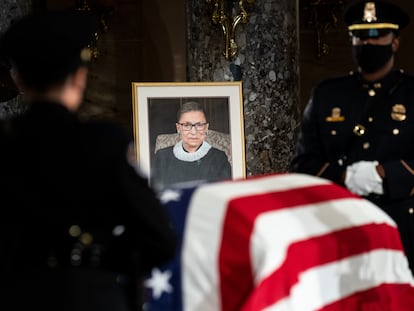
{"type": "Point", "coordinates": [280, 242]}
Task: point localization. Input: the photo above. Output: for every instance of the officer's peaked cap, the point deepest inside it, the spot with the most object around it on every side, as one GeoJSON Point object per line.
{"type": "Point", "coordinates": [374, 18]}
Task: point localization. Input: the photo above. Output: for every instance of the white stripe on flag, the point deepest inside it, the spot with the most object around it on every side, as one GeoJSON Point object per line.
{"type": "Point", "coordinates": [362, 275]}
{"type": "Point", "coordinates": [275, 231]}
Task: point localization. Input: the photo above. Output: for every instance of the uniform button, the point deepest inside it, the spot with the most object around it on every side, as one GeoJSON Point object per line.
{"type": "Point", "coordinates": [411, 210]}
{"type": "Point", "coordinates": [365, 145]}
{"type": "Point", "coordinates": [75, 231]}
{"type": "Point", "coordinates": [86, 238]}
{"type": "Point", "coordinates": [371, 92]}
{"type": "Point", "coordinates": [396, 131]}
{"type": "Point", "coordinates": [333, 132]}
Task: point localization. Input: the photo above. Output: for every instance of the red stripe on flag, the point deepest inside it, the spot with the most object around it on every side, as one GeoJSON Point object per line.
{"type": "Point", "coordinates": [386, 297]}
{"type": "Point", "coordinates": [235, 271]}
{"type": "Point", "coordinates": [320, 250]}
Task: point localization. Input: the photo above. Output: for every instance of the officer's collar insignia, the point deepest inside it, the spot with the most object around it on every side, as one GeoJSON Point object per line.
{"type": "Point", "coordinates": [398, 112]}
{"type": "Point", "coordinates": [370, 14]}
{"type": "Point", "coordinates": [335, 115]}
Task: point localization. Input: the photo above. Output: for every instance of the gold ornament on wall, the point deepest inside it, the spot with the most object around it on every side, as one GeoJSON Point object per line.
{"type": "Point", "coordinates": [322, 16]}
{"type": "Point", "coordinates": [103, 15]}
{"type": "Point", "coordinates": [229, 14]}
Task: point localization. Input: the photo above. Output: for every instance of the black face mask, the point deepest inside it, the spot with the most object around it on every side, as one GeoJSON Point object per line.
{"type": "Point", "coordinates": [371, 57]}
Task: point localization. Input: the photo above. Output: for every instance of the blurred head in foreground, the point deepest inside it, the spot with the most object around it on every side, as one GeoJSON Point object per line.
{"type": "Point", "coordinates": [48, 53]}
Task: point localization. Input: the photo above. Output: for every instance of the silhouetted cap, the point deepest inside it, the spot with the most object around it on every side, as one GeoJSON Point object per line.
{"type": "Point", "coordinates": [374, 19]}
{"type": "Point", "coordinates": [46, 47]}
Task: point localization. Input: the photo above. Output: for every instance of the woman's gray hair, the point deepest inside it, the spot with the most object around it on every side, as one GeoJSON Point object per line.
{"type": "Point", "coordinates": [188, 107]}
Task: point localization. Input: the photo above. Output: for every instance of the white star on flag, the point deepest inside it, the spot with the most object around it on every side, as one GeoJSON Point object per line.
{"type": "Point", "coordinates": [159, 282]}
{"type": "Point", "coordinates": [170, 195]}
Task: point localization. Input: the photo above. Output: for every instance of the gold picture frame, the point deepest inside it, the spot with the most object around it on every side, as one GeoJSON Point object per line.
{"type": "Point", "coordinates": [154, 107]}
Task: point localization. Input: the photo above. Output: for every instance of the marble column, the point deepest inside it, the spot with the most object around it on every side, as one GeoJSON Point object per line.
{"type": "Point", "coordinates": [11, 10]}
{"type": "Point", "coordinates": [268, 65]}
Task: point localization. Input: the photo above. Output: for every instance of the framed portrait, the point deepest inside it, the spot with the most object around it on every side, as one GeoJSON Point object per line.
{"type": "Point", "coordinates": [156, 109]}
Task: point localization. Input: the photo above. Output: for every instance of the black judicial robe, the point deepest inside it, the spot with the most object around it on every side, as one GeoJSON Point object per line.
{"type": "Point", "coordinates": [168, 170]}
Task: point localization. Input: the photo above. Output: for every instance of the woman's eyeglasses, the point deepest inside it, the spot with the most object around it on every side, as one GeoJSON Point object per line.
{"type": "Point", "coordinates": [198, 126]}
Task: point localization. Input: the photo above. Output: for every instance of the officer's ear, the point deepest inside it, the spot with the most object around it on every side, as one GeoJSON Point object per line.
{"type": "Point", "coordinates": [79, 78]}
{"type": "Point", "coordinates": [395, 43]}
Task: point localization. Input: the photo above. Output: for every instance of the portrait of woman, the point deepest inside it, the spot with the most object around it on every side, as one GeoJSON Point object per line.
{"type": "Point", "coordinates": [192, 158]}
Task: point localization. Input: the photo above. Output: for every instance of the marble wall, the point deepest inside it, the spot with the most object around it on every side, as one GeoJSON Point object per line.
{"type": "Point", "coordinates": [9, 11]}
{"type": "Point", "coordinates": [267, 64]}
{"type": "Point", "coordinates": [12, 9]}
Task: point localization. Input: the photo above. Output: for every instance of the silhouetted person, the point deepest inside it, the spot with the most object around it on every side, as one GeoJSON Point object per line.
{"type": "Point", "coordinates": [79, 227]}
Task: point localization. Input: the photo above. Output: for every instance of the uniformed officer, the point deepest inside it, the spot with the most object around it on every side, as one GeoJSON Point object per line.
{"type": "Point", "coordinates": [358, 130]}
{"type": "Point", "coordinates": [79, 226]}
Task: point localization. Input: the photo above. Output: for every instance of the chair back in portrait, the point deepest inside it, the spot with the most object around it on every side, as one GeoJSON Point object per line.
{"type": "Point", "coordinates": [216, 139]}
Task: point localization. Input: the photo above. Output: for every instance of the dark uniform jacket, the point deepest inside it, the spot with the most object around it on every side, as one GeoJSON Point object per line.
{"type": "Point", "coordinates": [70, 200]}
{"type": "Point", "coordinates": [384, 115]}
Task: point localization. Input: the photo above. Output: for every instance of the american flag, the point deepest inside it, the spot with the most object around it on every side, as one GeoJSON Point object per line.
{"type": "Point", "coordinates": [280, 242]}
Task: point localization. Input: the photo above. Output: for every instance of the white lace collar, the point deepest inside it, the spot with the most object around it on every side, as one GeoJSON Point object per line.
{"type": "Point", "coordinates": [183, 155]}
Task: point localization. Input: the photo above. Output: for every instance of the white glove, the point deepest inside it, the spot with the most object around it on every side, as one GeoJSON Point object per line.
{"type": "Point", "coordinates": [362, 178]}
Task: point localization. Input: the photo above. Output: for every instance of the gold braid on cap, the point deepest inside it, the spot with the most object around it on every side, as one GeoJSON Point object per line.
{"type": "Point", "coordinates": [373, 25]}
